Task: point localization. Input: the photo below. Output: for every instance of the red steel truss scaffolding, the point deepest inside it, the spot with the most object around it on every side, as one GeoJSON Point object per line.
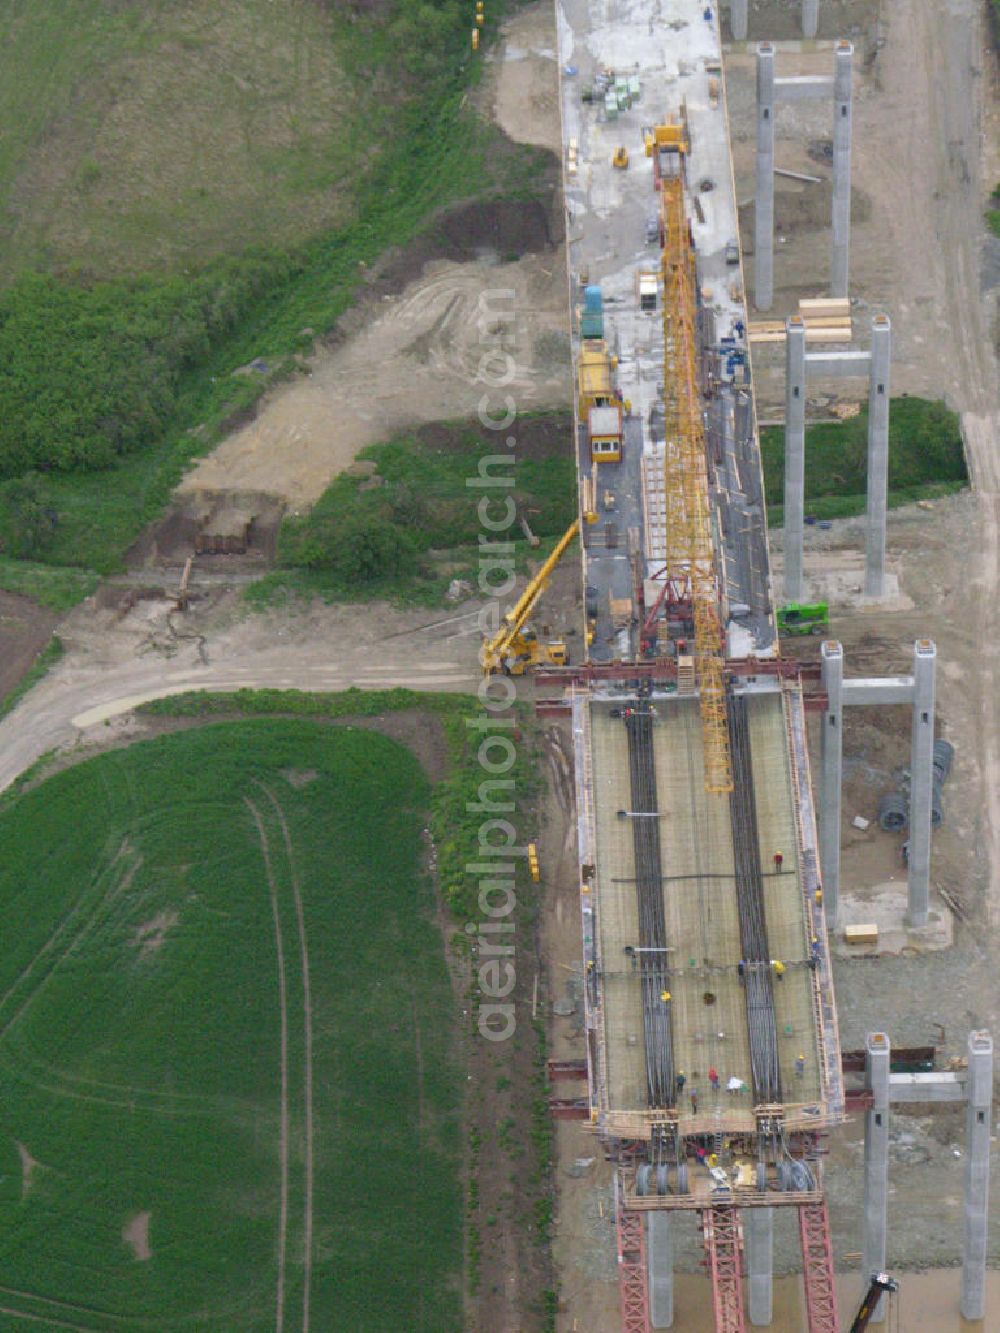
{"type": "Point", "coordinates": [722, 1234]}
{"type": "Point", "coordinates": [633, 1284]}
{"type": "Point", "coordinates": [817, 1268]}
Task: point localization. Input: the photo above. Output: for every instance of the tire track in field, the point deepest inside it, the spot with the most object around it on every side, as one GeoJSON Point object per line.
{"type": "Point", "coordinates": [307, 1228]}
{"type": "Point", "coordinates": [47, 1321]}
{"type": "Point", "coordinates": [64, 927]}
{"type": "Point", "coordinates": [67, 1308]}
{"type": "Point", "coordinates": [78, 925]}
{"type": "Point", "coordinates": [265, 848]}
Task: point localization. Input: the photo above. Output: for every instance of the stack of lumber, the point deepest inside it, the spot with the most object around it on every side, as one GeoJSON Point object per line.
{"type": "Point", "coordinates": [827, 320]}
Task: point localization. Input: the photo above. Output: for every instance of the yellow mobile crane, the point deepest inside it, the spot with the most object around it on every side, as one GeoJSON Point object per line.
{"type": "Point", "coordinates": [516, 649]}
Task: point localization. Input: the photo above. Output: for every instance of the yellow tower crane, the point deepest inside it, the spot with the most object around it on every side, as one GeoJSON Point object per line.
{"type": "Point", "coordinates": [690, 551]}
{"type": "Point", "coordinates": [514, 647]}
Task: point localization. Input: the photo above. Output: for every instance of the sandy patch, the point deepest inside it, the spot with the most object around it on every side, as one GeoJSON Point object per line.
{"type": "Point", "coordinates": [299, 777]}
{"type": "Point", "coordinates": [135, 1234]}
{"type": "Point", "coordinates": [150, 935]}
{"type": "Point", "coordinates": [416, 359]}
{"type": "Point", "coordinates": [522, 90]}
{"type": "Point", "coordinates": [28, 1164]}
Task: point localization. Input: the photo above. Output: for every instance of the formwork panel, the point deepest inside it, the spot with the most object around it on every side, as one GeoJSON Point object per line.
{"type": "Point", "coordinates": [617, 912]}
{"type": "Point", "coordinates": [702, 921]}
{"type": "Point", "coordinates": [784, 902]}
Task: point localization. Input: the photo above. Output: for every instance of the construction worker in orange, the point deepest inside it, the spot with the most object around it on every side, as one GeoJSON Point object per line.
{"type": "Point", "coordinates": [694, 1103]}
{"type": "Point", "coordinates": [713, 1078]}
{"type": "Point", "coordinates": [778, 862]}
{"type": "Point", "coordinates": [779, 968]}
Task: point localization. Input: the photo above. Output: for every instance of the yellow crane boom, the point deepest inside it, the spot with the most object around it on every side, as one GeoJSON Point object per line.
{"type": "Point", "coordinates": [495, 650]}
{"type": "Point", "coordinates": [690, 552]}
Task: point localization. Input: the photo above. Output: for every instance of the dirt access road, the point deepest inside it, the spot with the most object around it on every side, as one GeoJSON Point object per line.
{"type": "Point", "coordinates": [112, 664]}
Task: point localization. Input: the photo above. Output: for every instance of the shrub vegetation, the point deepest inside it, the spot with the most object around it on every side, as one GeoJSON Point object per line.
{"type": "Point", "coordinates": [407, 529]}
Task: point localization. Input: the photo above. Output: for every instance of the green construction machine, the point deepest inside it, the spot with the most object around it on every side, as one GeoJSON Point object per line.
{"type": "Point", "coordinates": [802, 618]}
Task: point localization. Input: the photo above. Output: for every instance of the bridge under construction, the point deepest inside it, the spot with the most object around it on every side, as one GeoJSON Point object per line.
{"type": "Point", "coordinates": [713, 1058]}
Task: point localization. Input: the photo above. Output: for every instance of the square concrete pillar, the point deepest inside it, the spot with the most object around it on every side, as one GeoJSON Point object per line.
{"type": "Point", "coordinates": [918, 877]}
{"type": "Point", "coordinates": [876, 1201]}
{"type": "Point", "coordinates": [831, 778]}
{"type": "Point", "coordinates": [841, 168]}
{"type": "Point", "coordinates": [795, 455]}
{"type": "Point", "coordinates": [763, 262]}
{"type": "Point", "coordinates": [878, 456]}
{"type": "Point", "coordinates": [979, 1113]}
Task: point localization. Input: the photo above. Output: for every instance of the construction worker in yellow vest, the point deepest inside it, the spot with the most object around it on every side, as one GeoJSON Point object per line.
{"type": "Point", "coordinates": [779, 968]}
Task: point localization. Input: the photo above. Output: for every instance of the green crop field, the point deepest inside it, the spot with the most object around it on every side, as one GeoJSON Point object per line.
{"type": "Point", "coordinates": [226, 1035]}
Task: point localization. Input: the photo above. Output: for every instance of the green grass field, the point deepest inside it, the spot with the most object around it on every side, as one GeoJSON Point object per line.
{"type": "Point", "coordinates": [926, 460]}
{"type": "Point", "coordinates": [151, 900]}
{"type": "Point", "coordinates": [147, 135]}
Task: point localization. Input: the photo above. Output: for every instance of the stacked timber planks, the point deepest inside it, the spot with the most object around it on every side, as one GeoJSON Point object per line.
{"type": "Point", "coordinates": [827, 320]}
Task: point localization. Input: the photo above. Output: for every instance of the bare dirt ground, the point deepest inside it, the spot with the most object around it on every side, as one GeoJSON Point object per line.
{"type": "Point", "coordinates": [28, 1164]}
{"type": "Point", "coordinates": [152, 934]}
{"type": "Point", "coordinates": [26, 628]}
{"type": "Point", "coordinates": [521, 92]}
{"type": "Point", "coordinates": [135, 1234]}
{"type": "Point", "coordinates": [410, 355]}
{"type": "Point", "coordinates": [916, 188]}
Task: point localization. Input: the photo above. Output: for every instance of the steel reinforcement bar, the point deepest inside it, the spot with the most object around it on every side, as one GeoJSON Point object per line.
{"type": "Point", "coordinates": [756, 958]}
{"type": "Point", "coordinates": [652, 954]}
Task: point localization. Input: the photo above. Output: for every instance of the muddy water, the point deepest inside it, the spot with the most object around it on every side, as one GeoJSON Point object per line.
{"type": "Point", "coordinates": [926, 1303]}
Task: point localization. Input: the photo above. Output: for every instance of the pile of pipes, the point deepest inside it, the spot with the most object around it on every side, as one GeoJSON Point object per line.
{"type": "Point", "coordinates": [894, 807]}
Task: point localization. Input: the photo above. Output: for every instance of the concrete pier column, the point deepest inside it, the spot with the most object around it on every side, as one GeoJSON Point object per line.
{"type": "Point", "coordinates": [660, 1269]}
{"type": "Point", "coordinates": [878, 456]}
{"type": "Point", "coordinates": [841, 166]}
{"type": "Point", "coordinates": [810, 17]}
{"type": "Point", "coordinates": [763, 240]}
{"type": "Point", "coordinates": [918, 878]}
{"type": "Point", "coordinates": [795, 454]}
{"type": "Point", "coordinates": [831, 778]}
{"type": "Point", "coordinates": [758, 1236]}
{"type": "Point", "coordinates": [877, 1054]}
{"type": "Point", "coordinates": [738, 19]}
{"type": "Point", "coordinates": [979, 1112]}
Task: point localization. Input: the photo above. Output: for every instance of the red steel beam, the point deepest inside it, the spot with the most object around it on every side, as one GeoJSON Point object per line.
{"type": "Point", "coordinates": [566, 1069]}
{"type": "Point", "coordinates": [585, 673]}
{"type": "Point", "coordinates": [817, 1268]}
{"type": "Point", "coordinates": [569, 1108]}
{"type": "Point", "coordinates": [721, 1232]}
{"type": "Point", "coordinates": [633, 1285]}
